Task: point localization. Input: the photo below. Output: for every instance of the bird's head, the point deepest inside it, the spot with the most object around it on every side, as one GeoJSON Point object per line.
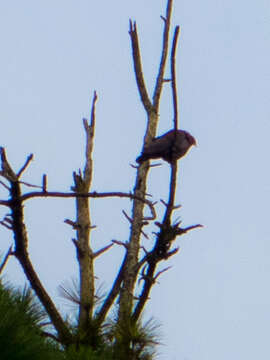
{"type": "Point", "coordinates": [190, 139]}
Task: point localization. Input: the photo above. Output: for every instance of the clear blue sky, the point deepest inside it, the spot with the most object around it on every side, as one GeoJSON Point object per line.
{"type": "Point", "coordinates": [214, 302]}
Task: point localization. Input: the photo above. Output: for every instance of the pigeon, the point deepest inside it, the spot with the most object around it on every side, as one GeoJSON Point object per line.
{"type": "Point", "coordinates": [170, 146]}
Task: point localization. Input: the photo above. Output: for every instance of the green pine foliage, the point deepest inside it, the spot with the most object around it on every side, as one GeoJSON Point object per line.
{"type": "Point", "coordinates": [133, 340]}
{"type": "Point", "coordinates": [20, 330]}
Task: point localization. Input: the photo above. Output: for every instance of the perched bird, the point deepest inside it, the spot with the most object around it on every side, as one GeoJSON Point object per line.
{"type": "Point", "coordinates": [171, 146]}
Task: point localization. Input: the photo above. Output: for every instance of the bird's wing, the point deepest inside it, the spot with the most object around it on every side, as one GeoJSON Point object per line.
{"type": "Point", "coordinates": [159, 145]}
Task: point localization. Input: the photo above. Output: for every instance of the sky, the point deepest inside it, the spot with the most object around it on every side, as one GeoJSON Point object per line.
{"type": "Point", "coordinates": [214, 301]}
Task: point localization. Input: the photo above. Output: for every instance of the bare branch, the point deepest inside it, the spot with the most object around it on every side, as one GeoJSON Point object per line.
{"type": "Point", "coordinates": [21, 253]}
{"type": "Point", "coordinates": [5, 186]}
{"type": "Point", "coordinates": [144, 222]}
{"type": "Point", "coordinates": [187, 229]}
{"type": "Point", "coordinates": [148, 283]}
{"type": "Point", "coordinates": [30, 185]}
{"type": "Point", "coordinates": [75, 225]}
{"type": "Point", "coordinates": [160, 252]}
{"type": "Point", "coordinates": [151, 280]}
{"type": "Point", "coordinates": [121, 243]}
{"type": "Point", "coordinates": [101, 251]}
{"type": "Point", "coordinates": [44, 183]}
{"type": "Point", "coordinates": [93, 194]}
{"type": "Point", "coordinates": [127, 217]}
{"type": "Point", "coordinates": [144, 249]}
{"type": "Point", "coordinates": [143, 261]}
{"type": "Point", "coordinates": [138, 67]}
{"type": "Point", "coordinates": [4, 262]}
{"type": "Point", "coordinates": [172, 252]}
{"type": "Point", "coordinates": [3, 223]}
{"type": "Point", "coordinates": [71, 223]}
{"type": "Point", "coordinates": [161, 272]}
{"type": "Point", "coordinates": [93, 108]}
{"type": "Point", "coordinates": [76, 244]}
{"type": "Point", "coordinates": [90, 133]}
{"type": "Point", "coordinates": [112, 294]}
{"type": "Point", "coordinates": [173, 74]}
{"type": "Point", "coordinates": [7, 171]}
{"type": "Point", "coordinates": [165, 42]}
{"type": "Point", "coordinates": [170, 205]}
{"type": "Point", "coordinates": [5, 203]}
{"type": "Point", "coordinates": [85, 254]}
{"type": "Point", "coordinates": [27, 162]}
{"type": "Point", "coordinates": [165, 204]}
{"type": "Point", "coordinates": [144, 234]}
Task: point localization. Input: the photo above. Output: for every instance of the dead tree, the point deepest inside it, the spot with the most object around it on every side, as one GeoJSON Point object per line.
{"type": "Point", "coordinates": [136, 265]}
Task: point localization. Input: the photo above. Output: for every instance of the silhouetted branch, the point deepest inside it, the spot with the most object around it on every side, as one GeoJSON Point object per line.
{"type": "Point", "coordinates": [75, 225]}
{"type": "Point", "coordinates": [187, 229]}
{"type": "Point", "coordinates": [101, 315]}
{"type": "Point", "coordinates": [101, 251]}
{"type": "Point", "coordinates": [138, 66]}
{"type": "Point", "coordinates": [7, 223]}
{"type": "Point", "coordinates": [90, 133]}
{"type": "Point", "coordinates": [144, 223]}
{"type": "Point", "coordinates": [94, 194]}
{"type": "Point", "coordinates": [5, 202]}
{"type": "Point", "coordinates": [6, 171]}
{"type": "Point", "coordinates": [160, 76]}
{"type": "Point", "coordinates": [30, 185]}
{"type": "Point", "coordinates": [148, 283]}
{"type": "Point", "coordinates": [121, 243]}
{"type": "Point", "coordinates": [21, 253]}
{"type": "Point", "coordinates": [161, 272]}
{"type": "Point", "coordinates": [5, 260]}
{"type": "Point", "coordinates": [173, 74]}
{"type": "Point", "coordinates": [170, 205]}
{"type": "Point", "coordinates": [5, 186]}
{"type": "Point", "coordinates": [82, 184]}
{"type": "Point", "coordinates": [27, 162]}
{"type": "Point", "coordinates": [160, 252]}
{"type": "Point", "coordinates": [44, 183]}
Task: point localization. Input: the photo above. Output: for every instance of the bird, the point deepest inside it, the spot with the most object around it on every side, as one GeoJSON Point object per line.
{"type": "Point", "coordinates": [170, 146]}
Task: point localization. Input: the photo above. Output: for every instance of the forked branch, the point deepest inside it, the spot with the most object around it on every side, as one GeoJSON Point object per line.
{"type": "Point", "coordinates": [168, 233]}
